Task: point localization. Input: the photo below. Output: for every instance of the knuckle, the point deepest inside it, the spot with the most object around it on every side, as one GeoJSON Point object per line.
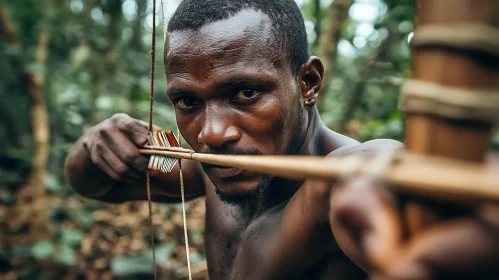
{"type": "Point", "coordinates": [129, 156]}
{"type": "Point", "coordinates": [95, 159]}
{"type": "Point", "coordinates": [106, 130]}
{"type": "Point", "coordinates": [140, 139]}
{"type": "Point", "coordinates": [119, 120]}
{"type": "Point", "coordinates": [136, 129]}
{"type": "Point", "coordinates": [99, 147]}
{"type": "Point", "coordinates": [119, 116]}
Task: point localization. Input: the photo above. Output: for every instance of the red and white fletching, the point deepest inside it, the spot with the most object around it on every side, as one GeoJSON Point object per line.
{"type": "Point", "coordinates": [162, 139]}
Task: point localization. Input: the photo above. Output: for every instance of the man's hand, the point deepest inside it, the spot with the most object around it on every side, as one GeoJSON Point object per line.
{"type": "Point", "coordinates": [113, 146]}
{"type": "Point", "coordinates": [368, 226]}
{"type": "Point", "coordinates": [106, 164]}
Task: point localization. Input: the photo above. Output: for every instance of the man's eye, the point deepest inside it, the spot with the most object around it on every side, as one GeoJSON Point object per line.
{"type": "Point", "coordinates": [187, 102]}
{"type": "Point", "coordinates": [245, 94]}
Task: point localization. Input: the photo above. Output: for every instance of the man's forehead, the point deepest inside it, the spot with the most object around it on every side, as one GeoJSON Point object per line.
{"type": "Point", "coordinates": [246, 31]}
{"type": "Point", "coordinates": [242, 26]}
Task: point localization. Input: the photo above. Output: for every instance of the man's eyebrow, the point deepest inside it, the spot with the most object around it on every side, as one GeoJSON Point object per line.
{"type": "Point", "coordinates": [177, 91]}
{"type": "Point", "coordinates": [231, 82]}
{"type": "Point", "coordinates": [240, 81]}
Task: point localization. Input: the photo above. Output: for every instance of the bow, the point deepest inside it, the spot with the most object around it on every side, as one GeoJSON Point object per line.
{"type": "Point", "coordinates": [452, 104]}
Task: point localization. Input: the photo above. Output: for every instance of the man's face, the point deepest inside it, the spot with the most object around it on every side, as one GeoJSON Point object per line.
{"type": "Point", "coordinates": [234, 93]}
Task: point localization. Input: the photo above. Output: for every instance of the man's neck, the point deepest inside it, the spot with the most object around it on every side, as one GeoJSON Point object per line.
{"type": "Point", "coordinates": [282, 189]}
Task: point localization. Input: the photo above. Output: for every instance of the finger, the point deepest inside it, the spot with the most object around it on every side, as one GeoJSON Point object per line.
{"type": "Point", "coordinates": [367, 212]}
{"type": "Point", "coordinates": [146, 124]}
{"type": "Point", "coordinates": [464, 247]}
{"type": "Point", "coordinates": [120, 166]}
{"type": "Point", "coordinates": [101, 163]}
{"type": "Point", "coordinates": [137, 130]}
{"type": "Point", "coordinates": [127, 152]}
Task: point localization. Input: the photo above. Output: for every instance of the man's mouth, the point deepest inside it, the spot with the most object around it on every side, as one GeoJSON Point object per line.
{"type": "Point", "coordinates": [225, 172]}
{"type": "Point", "coordinates": [222, 171]}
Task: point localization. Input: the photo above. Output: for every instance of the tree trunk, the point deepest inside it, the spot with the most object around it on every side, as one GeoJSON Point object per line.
{"type": "Point", "coordinates": [40, 126]}
{"type": "Point", "coordinates": [30, 211]}
{"type": "Point", "coordinates": [137, 25]}
{"type": "Point", "coordinates": [105, 60]}
{"type": "Point", "coordinates": [317, 23]}
{"type": "Point", "coordinates": [328, 43]}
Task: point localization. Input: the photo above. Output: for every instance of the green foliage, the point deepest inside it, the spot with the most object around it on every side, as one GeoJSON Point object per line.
{"type": "Point", "coordinates": [133, 265]}
{"type": "Point", "coordinates": [42, 250]}
{"type": "Point", "coordinates": [98, 65]}
{"type": "Point", "coordinates": [65, 255]}
{"type": "Point", "coordinates": [71, 237]}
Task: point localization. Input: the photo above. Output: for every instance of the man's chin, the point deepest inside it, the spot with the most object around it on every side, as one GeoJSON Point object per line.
{"type": "Point", "coordinates": [241, 193]}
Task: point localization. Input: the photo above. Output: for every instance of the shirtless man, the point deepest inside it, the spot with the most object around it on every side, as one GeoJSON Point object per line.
{"type": "Point", "coordinates": [241, 81]}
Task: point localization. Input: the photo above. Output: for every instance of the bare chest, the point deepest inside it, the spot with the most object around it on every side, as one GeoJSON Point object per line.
{"type": "Point", "coordinates": [237, 250]}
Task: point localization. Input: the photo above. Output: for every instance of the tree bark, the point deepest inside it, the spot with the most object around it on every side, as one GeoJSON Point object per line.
{"type": "Point", "coordinates": [328, 43]}
{"type": "Point", "coordinates": [41, 136]}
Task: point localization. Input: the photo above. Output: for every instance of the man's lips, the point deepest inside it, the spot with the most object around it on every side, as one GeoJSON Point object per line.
{"type": "Point", "coordinates": [222, 171]}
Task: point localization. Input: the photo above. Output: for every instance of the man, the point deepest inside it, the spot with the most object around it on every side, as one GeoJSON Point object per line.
{"type": "Point", "coordinates": [241, 81]}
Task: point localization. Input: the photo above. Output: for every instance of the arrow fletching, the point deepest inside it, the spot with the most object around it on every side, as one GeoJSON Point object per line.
{"type": "Point", "coordinates": [162, 139]}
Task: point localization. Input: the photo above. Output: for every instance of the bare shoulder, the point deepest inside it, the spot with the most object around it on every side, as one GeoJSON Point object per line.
{"type": "Point", "coordinates": [304, 229]}
{"type": "Point", "coordinates": [369, 148]}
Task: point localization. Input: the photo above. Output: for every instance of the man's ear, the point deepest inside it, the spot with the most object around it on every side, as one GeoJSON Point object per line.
{"type": "Point", "coordinates": [310, 80]}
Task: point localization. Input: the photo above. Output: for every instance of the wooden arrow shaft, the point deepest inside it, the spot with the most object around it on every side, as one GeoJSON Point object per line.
{"type": "Point", "coordinates": [453, 180]}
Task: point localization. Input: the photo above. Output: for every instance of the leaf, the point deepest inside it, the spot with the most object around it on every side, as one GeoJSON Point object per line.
{"type": "Point", "coordinates": [132, 265]}
{"type": "Point", "coordinates": [6, 198]}
{"type": "Point", "coordinates": [65, 255]}
{"type": "Point", "coordinates": [42, 250]}
{"type": "Point", "coordinates": [196, 258]}
{"type": "Point", "coordinates": [164, 253]}
{"type": "Point", "coordinates": [84, 218]}
{"type": "Point", "coordinates": [72, 237]}
{"type": "Point", "coordinates": [52, 184]}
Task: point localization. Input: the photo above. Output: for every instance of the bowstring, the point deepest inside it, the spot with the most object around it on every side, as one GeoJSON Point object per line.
{"type": "Point", "coordinates": [182, 188]}
{"type": "Point", "coordinates": [182, 192]}
{"type": "Point", "coordinates": [151, 101]}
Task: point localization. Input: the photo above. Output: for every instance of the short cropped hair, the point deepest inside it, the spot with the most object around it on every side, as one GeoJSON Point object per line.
{"type": "Point", "coordinates": [287, 22]}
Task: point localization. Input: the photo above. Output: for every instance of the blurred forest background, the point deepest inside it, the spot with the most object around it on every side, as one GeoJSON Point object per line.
{"type": "Point", "coordinates": [66, 65]}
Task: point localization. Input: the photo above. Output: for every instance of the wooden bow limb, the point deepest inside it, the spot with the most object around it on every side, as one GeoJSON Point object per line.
{"type": "Point", "coordinates": [428, 176]}
{"type": "Point", "coordinates": [461, 65]}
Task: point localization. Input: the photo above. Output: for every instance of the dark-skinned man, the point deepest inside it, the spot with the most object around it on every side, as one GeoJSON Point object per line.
{"type": "Point", "coordinates": [242, 82]}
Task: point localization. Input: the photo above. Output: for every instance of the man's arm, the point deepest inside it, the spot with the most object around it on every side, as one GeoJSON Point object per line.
{"type": "Point", "coordinates": [106, 164]}
{"type": "Point", "coordinates": [304, 236]}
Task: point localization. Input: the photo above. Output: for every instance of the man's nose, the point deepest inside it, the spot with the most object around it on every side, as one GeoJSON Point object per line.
{"type": "Point", "coordinates": [218, 128]}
